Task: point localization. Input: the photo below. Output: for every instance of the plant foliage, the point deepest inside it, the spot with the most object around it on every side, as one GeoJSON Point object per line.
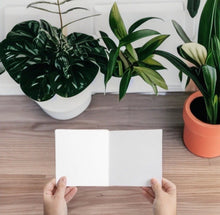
{"type": "Point", "coordinates": [45, 62]}
{"type": "Point", "coordinates": [205, 56]}
{"type": "Point", "coordinates": [125, 61]}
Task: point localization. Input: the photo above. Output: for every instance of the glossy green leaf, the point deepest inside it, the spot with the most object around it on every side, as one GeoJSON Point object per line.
{"type": "Point", "coordinates": [210, 78]}
{"type": "Point", "coordinates": [181, 32]}
{"type": "Point", "coordinates": [134, 36]}
{"type": "Point", "coordinates": [78, 77]}
{"type": "Point", "coordinates": [150, 62]}
{"type": "Point", "coordinates": [124, 83]}
{"type": "Point", "coordinates": [147, 79]}
{"type": "Point", "coordinates": [215, 47]}
{"type": "Point", "coordinates": [192, 7]}
{"type": "Point", "coordinates": [149, 47]}
{"type": "Point", "coordinates": [154, 76]}
{"type": "Point", "coordinates": [206, 24]}
{"type": "Point", "coordinates": [111, 64]}
{"type": "Point", "coordinates": [35, 83]}
{"type": "Point", "coordinates": [181, 66]}
{"type": "Point", "coordinates": [116, 22]}
{"type": "Point", "coordinates": [42, 47]}
{"type": "Point", "coordinates": [110, 44]}
{"type": "Point", "coordinates": [194, 53]}
{"type": "Point", "coordinates": [140, 22]}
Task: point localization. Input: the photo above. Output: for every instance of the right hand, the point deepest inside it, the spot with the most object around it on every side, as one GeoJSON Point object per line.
{"type": "Point", "coordinates": [162, 197]}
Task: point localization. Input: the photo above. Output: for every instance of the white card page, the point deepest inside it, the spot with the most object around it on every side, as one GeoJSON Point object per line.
{"type": "Point", "coordinates": [109, 158]}
{"type": "Point", "coordinates": [82, 156]}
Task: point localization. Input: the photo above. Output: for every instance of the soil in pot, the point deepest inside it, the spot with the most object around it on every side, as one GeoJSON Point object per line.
{"type": "Point", "coordinates": [197, 108]}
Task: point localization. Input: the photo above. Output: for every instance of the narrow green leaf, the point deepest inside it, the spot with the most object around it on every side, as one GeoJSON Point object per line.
{"type": "Point", "coordinates": [210, 78]}
{"type": "Point", "coordinates": [215, 47]}
{"type": "Point", "coordinates": [124, 83]}
{"type": "Point", "coordinates": [207, 20]}
{"type": "Point", "coordinates": [152, 63]}
{"type": "Point", "coordinates": [56, 12]}
{"type": "Point", "coordinates": [134, 36]}
{"type": "Point", "coordinates": [180, 65]}
{"type": "Point", "coordinates": [147, 79]}
{"type": "Point", "coordinates": [181, 32]}
{"type": "Point", "coordinates": [192, 7]}
{"type": "Point", "coordinates": [140, 22]}
{"type": "Point", "coordinates": [48, 2]}
{"type": "Point", "coordinates": [180, 76]}
{"type": "Point", "coordinates": [116, 22]}
{"type": "Point", "coordinates": [111, 64]}
{"type": "Point", "coordinates": [154, 76]}
{"type": "Point", "coordinates": [110, 44]}
{"type": "Point", "coordinates": [77, 20]}
{"type": "Point", "coordinates": [120, 68]}
{"type": "Point", "coordinates": [151, 46]}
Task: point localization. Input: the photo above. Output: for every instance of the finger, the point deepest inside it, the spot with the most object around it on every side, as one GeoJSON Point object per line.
{"type": "Point", "coordinates": [61, 187]}
{"type": "Point", "coordinates": [71, 194]}
{"type": "Point", "coordinates": [156, 187]}
{"type": "Point", "coordinates": [168, 186]}
{"type": "Point", "coordinates": [149, 191]}
{"type": "Point", "coordinates": [49, 187]}
{"type": "Point", "coordinates": [148, 197]}
{"type": "Point", "coordinates": [67, 190]}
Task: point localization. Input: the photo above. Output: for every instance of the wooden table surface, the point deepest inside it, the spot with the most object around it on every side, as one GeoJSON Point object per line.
{"type": "Point", "coordinates": [27, 156]}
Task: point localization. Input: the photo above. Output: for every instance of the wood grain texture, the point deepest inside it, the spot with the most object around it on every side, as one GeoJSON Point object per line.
{"type": "Point", "coordinates": [27, 156]}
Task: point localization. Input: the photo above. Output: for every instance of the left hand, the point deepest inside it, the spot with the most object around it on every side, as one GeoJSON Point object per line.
{"type": "Point", "coordinates": [57, 196]}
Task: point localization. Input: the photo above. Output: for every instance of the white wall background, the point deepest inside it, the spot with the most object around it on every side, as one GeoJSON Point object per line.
{"type": "Point", "coordinates": [15, 11]}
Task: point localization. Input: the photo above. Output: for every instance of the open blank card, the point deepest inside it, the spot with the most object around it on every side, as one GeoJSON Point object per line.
{"type": "Point", "coordinates": [109, 158]}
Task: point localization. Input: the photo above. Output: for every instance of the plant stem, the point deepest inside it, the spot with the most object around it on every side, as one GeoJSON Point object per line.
{"type": "Point", "coordinates": [59, 10]}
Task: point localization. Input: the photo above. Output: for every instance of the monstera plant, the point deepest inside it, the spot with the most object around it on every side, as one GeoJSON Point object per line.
{"type": "Point", "coordinates": [46, 62]}
{"type": "Point", "coordinates": [125, 61]}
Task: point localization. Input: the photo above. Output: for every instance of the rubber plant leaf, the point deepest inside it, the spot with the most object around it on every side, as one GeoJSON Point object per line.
{"type": "Point", "coordinates": [194, 52]}
{"type": "Point", "coordinates": [192, 7]}
{"type": "Point", "coordinates": [181, 66]}
{"type": "Point", "coordinates": [181, 32]}
{"type": "Point", "coordinates": [116, 22]}
{"type": "Point", "coordinates": [124, 83]}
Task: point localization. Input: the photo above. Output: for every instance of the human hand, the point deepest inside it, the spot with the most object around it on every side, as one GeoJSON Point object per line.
{"type": "Point", "coordinates": [162, 197]}
{"type": "Point", "coordinates": [57, 196]}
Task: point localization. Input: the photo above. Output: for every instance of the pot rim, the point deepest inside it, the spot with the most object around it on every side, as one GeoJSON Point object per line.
{"type": "Point", "coordinates": [188, 112]}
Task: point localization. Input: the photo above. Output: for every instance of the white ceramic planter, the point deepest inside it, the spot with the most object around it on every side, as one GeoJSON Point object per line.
{"type": "Point", "coordinates": [67, 108]}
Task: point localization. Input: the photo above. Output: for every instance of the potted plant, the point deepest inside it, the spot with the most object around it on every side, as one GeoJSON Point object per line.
{"type": "Point", "coordinates": [51, 68]}
{"type": "Point", "coordinates": [125, 61]}
{"type": "Point", "coordinates": [201, 112]}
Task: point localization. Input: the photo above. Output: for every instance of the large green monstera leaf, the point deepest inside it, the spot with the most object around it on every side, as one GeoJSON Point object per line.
{"type": "Point", "coordinates": [45, 62]}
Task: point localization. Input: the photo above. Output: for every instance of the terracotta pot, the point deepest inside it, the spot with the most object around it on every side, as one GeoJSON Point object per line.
{"type": "Point", "coordinates": [200, 138]}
